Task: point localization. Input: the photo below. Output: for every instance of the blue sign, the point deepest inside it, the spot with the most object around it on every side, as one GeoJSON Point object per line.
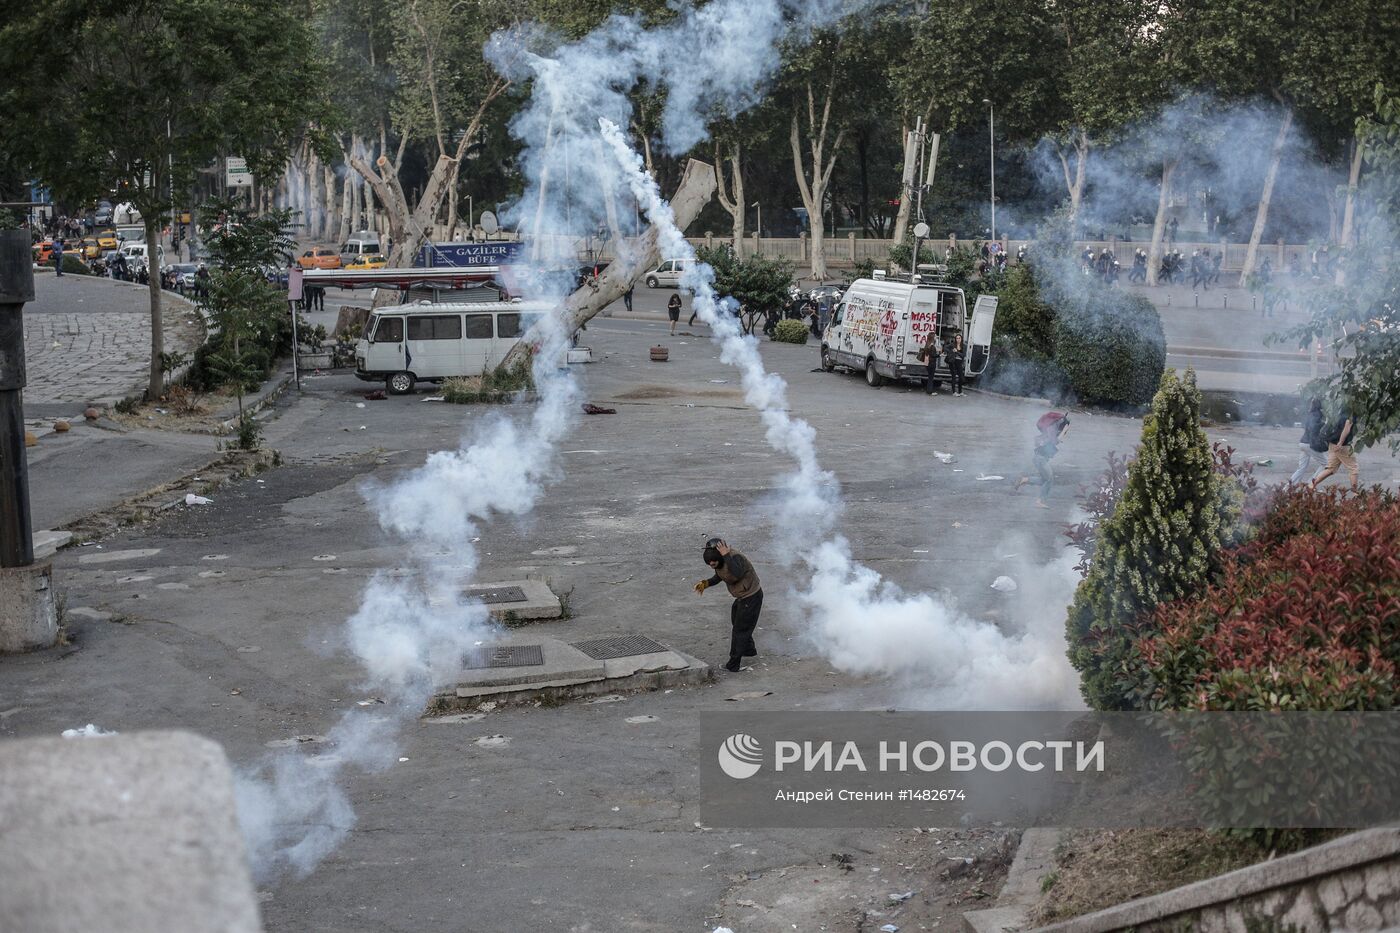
{"type": "Point", "coordinates": [489, 253]}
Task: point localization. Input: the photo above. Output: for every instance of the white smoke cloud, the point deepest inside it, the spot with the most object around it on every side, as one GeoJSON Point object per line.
{"type": "Point", "coordinates": [415, 626]}
{"type": "Point", "coordinates": [860, 622]}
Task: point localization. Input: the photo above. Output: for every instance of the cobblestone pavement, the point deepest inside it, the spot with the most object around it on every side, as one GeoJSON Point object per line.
{"type": "Point", "coordinates": [88, 340]}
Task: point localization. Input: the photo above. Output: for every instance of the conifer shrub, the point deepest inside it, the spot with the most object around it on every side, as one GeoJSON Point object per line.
{"type": "Point", "coordinates": [1161, 543]}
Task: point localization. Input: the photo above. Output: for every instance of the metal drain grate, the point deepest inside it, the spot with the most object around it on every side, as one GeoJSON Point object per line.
{"type": "Point", "coordinates": [507, 656]}
{"type": "Point", "coordinates": [497, 594]}
{"type": "Point", "coordinates": [618, 646]}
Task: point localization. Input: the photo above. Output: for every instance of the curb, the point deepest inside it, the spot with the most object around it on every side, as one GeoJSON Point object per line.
{"type": "Point", "coordinates": [227, 467]}
{"type": "Point", "coordinates": [266, 396]}
{"type": "Point", "coordinates": [1035, 857]}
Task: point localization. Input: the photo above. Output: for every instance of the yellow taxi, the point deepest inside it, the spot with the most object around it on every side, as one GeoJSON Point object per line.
{"type": "Point", "coordinates": [319, 258]}
{"type": "Point", "coordinates": [107, 239]}
{"type": "Point", "coordinates": [91, 248]}
{"type": "Point", "coordinates": [367, 261]}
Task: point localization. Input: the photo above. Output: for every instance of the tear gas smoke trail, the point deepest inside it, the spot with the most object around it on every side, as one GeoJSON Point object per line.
{"type": "Point", "coordinates": [413, 629]}
{"type": "Point", "coordinates": [861, 622]}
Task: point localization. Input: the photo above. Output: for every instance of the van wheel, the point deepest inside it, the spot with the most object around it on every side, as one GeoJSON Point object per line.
{"type": "Point", "coordinates": [651, 281]}
{"type": "Point", "coordinates": [828, 363]}
{"type": "Point", "coordinates": [872, 378]}
{"type": "Point", "coordinates": [399, 383]}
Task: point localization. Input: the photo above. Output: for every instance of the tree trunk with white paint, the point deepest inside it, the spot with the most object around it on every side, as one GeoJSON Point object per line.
{"type": "Point", "coordinates": [1349, 212]}
{"type": "Point", "coordinates": [696, 189]}
{"type": "Point", "coordinates": [731, 192]}
{"type": "Point", "coordinates": [1261, 217]}
{"type": "Point", "coordinates": [346, 207]}
{"type": "Point", "coordinates": [812, 181]}
{"type": "Point", "coordinates": [1074, 181]}
{"type": "Point", "coordinates": [1159, 225]}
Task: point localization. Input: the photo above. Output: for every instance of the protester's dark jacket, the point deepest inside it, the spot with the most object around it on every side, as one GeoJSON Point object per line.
{"type": "Point", "coordinates": [738, 574]}
{"type": "Point", "coordinates": [1312, 431]}
{"type": "Point", "coordinates": [1333, 435]}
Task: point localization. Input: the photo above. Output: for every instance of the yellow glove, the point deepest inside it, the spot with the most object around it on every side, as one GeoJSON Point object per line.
{"type": "Point", "coordinates": [701, 586]}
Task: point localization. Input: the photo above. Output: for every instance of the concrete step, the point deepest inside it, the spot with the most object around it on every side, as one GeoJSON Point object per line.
{"type": "Point", "coordinates": [563, 671]}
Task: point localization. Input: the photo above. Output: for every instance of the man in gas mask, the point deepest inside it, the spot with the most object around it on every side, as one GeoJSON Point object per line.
{"type": "Point", "coordinates": [734, 571]}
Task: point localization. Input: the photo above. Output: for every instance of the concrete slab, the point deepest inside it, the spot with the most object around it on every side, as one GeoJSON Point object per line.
{"type": "Point", "coordinates": [1035, 858]}
{"type": "Point", "coordinates": [562, 662]}
{"type": "Point", "coordinates": [567, 672]}
{"type": "Point", "coordinates": [539, 602]}
{"type": "Point", "coordinates": [47, 543]}
{"type": "Point", "coordinates": [121, 833]}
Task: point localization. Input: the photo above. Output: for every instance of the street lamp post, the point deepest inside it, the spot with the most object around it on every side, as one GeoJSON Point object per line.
{"type": "Point", "coordinates": [759, 230]}
{"type": "Point", "coordinates": [992, 136]}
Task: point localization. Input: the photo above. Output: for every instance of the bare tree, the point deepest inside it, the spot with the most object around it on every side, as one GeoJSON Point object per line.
{"type": "Point", "coordinates": [823, 140]}
{"type": "Point", "coordinates": [731, 192]}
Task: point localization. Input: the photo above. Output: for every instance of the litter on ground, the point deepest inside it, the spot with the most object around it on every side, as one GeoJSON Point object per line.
{"type": "Point", "coordinates": [87, 732]}
{"type": "Point", "coordinates": [1004, 584]}
{"type": "Point", "coordinates": [192, 499]}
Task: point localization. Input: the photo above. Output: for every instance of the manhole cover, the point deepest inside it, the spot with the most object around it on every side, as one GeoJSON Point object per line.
{"type": "Point", "coordinates": [618, 646]}
{"type": "Point", "coordinates": [507, 656]}
{"type": "Point", "coordinates": [497, 594]}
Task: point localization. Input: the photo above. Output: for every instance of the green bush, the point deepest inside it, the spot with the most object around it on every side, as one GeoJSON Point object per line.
{"type": "Point", "coordinates": [754, 281]}
{"type": "Point", "coordinates": [72, 265]}
{"type": "Point", "coordinates": [1162, 542]}
{"type": "Point", "coordinates": [1110, 345]}
{"type": "Point", "coordinates": [1023, 316]}
{"type": "Point", "coordinates": [791, 332]}
{"type": "Point", "coordinates": [1329, 558]}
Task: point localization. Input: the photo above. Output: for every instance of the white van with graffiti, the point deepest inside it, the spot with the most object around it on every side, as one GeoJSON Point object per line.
{"type": "Point", "coordinates": [881, 324]}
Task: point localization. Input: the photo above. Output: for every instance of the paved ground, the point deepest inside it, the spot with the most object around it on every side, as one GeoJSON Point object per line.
{"type": "Point", "coordinates": [88, 341]}
{"type": "Point", "coordinates": [90, 468]}
{"type": "Point", "coordinates": [230, 624]}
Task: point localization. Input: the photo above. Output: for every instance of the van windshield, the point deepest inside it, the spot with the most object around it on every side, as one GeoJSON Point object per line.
{"type": "Point", "coordinates": [387, 330]}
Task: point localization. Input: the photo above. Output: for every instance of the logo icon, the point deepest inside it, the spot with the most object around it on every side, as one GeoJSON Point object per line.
{"type": "Point", "coordinates": [740, 756]}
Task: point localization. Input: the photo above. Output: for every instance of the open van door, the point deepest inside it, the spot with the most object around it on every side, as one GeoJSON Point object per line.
{"type": "Point", "coordinates": [979, 334]}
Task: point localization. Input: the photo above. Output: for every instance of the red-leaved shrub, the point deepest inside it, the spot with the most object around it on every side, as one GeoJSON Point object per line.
{"type": "Point", "coordinates": [1306, 615]}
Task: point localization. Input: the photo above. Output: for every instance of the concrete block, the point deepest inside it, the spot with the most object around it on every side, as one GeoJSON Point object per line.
{"type": "Point", "coordinates": [126, 834]}
{"type": "Point", "coordinates": [539, 603]}
{"type": "Point", "coordinates": [561, 662]}
{"type": "Point", "coordinates": [994, 920]}
{"type": "Point", "coordinates": [569, 673]}
{"type": "Point", "coordinates": [47, 543]}
{"type": "Point", "coordinates": [28, 611]}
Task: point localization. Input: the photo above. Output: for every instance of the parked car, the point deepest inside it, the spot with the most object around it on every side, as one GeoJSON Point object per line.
{"type": "Point", "coordinates": [668, 274]}
{"type": "Point", "coordinates": [367, 261]}
{"type": "Point", "coordinates": [104, 213]}
{"type": "Point", "coordinates": [359, 244]}
{"type": "Point", "coordinates": [137, 255]}
{"type": "Point", "coordinates": [321, 257]}
{"type": "Point", "coordinates": [183, 273]}
{"type": "Point", "coordinates": [43, 252]}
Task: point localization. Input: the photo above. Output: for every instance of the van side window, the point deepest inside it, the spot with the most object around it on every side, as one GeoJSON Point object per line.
{"type": "Point", "coordinates": [840, 313]}
{"type": "Point", "coordinates": [435, 327]}
{"type": "Point", "coordinates": [508, 325]}
{"type": "Point", "coordinates": [478, 327]}
{"type": "Point", "coordinates": [390, 330]}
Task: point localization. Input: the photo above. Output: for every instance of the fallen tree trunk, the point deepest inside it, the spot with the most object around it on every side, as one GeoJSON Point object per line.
{"type": "Point", "coordinates": [696, 189]}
